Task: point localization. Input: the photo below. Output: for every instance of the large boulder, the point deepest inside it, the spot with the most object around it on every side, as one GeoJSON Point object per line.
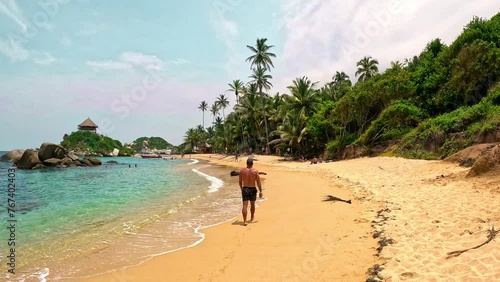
{"type": "Point", "coordinates": [116, 152]}
{"type": "Point", "coordinates": [95, 161]}
{"type": "Point", "coordinates": [29, 160]}
{"type": "Point", "coordinates": [86, 162]}
{"type": "Point", "coordinates": [73, 157]}
{"type": "Point", "coordinates": [66, 161]}
{"type": "Point", "coordinates": [52, 162]}
{"type": "Point", "coordinates": [51, 150]}
{"type": "Point", "coordinates": [12, 156]}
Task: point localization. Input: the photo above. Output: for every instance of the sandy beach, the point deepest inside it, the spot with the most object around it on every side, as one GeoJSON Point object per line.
{"type": "Point", "coordinates": [422, 210]}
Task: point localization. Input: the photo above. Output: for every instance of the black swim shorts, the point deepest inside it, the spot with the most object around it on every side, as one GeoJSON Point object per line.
{"type": "Point", "coordinates": [249, 193]}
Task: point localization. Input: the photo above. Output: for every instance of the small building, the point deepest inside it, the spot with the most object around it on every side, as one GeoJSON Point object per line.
{"type": "Point", "coordinates": [88, 125]}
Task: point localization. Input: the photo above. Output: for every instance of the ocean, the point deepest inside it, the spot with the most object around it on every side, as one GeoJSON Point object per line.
{"type": "Point", "coordinates": [78, 222]}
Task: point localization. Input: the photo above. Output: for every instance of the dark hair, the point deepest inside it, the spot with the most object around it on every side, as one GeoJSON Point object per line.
{"type": "Point", "coordinates": [249, 161]}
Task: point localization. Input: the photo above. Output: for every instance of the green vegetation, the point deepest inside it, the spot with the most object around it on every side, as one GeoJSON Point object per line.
{"type": "Point", "coordinates": [153, 143]}
{"type": "Point", "coordinates": [432, 104]}
{"type": "Point", "coordinates": [87, 141]}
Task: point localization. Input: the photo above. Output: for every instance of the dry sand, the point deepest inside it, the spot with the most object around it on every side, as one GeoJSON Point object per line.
{"type": "Point", "coordinates": [427, 209]}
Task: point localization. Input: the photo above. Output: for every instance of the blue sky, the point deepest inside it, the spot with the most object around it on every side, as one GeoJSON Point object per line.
{"type": "Point", "coordinates": [141, 68]}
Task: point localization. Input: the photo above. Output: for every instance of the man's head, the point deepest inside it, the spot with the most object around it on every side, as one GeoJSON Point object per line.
{"type": "Point", "coordinates": [249, 162]}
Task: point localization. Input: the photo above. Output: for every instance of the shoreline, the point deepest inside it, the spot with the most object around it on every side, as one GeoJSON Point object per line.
{"type": "Point", "coordinates": [409, 212]}
{"type": "Point", "coordinates": [183, 222]}
{"type": "Point", "coordinates": [315, 249]}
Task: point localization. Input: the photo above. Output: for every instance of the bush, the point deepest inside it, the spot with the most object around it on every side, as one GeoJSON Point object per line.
{"type": "Point", "coordinates": [439, 132]}
{"type": "Point", "coordinates": [393, 123]}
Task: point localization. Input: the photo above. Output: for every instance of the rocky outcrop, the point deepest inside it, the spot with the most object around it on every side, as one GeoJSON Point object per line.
{"type": "Point", "coordinates": [29, 160]}
{"type": "Point", "coordinates": [12, 156]}
{"type": "Point", "coordinates": [51, 150]}
{"type": "Point", "coordinates": [49, 155]}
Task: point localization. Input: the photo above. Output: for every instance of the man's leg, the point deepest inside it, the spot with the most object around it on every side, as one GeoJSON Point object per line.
{"type": "Point", "coordinates": [252, 209]}
{"type": "Point", "coordinates": [244, 211]}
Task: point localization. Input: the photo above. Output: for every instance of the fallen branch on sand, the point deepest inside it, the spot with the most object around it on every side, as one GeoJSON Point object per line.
{"type": "Point", "coordinates": [236, 173]}
{"type": "Point", "coordinates": [492, 233]}
{"type": "Point", "coordinates": [330, 198]}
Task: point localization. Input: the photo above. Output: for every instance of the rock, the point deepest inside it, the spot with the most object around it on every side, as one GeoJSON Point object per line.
{"type": "Point", "coordinates": [29, 159]}
{"type": "Point", "coordinates": [72, 156]}
{"type": "Point", "coordinates": [86, 162]}
{"type": "Point", "coordinates": [116, 152]}
{"type": "Point", "coordinates": [77, 163]}
{"type": "Point", "coordinates": [95, 161]}
{"type": "Point", "coordinates": [72, 165]}
{"type": "Point", "coordinates": [12, 156]}
{"type": "Point", "coordinates": [52, 162]}
{"type": "Point", "coordinates": [38, 166]}
{"type": "Point", "coordinates": [51, 150]}
{"type": "Point", "coordinates": [66, 161]}
{"type": "Point", "coordinates": [111, 162]}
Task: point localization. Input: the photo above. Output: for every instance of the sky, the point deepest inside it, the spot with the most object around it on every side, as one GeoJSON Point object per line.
{"type": "Point", "coordinates": [141, 68]}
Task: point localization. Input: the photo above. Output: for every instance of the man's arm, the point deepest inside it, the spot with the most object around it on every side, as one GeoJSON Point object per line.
{"type": "Point", "coordinates": [258, 182]}
{"type": "Point", "coordinates": [241, 180]}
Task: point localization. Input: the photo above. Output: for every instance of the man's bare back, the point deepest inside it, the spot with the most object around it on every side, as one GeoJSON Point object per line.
{"type": "Point", "coordinates": [249, 177]}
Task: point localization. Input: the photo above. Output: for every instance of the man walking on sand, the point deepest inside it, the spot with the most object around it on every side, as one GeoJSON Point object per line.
{"type": "Point", "coordinates": [248, 177]}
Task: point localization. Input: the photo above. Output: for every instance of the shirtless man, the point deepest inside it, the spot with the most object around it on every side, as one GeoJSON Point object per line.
{"type": "Point", "coordinates": [248, 177]}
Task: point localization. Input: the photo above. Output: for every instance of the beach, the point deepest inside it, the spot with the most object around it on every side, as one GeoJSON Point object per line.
{"type": "Point", "coordinates": [419, 211]}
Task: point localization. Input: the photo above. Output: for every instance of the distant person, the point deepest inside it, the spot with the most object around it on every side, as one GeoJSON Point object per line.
{"type": "Point", "coordinates": [236, 158]}
{"type": "Point", "coordinates": [314, 160]}
{"type": "Point", "coordinates": [249, 177]}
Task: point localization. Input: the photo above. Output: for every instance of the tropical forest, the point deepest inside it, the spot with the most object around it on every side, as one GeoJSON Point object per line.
{"type": "Point", "coordinates": [428, 106]}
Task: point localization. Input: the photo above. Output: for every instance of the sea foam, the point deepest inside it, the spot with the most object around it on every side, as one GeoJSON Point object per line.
{"type": "Point", "coordinates": [193, 162]}
{"type": "Point", "coordinates": [216, 183]}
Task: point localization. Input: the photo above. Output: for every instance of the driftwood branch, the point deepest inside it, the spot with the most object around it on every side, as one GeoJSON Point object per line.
{"type": "Point", "coordinates": [331, 198]}
{"type": "Point", "coordinates": [492, 233]}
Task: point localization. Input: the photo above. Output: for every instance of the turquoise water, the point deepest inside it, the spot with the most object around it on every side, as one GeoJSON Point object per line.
{"type": "Point", "coordinates": [115, 214]}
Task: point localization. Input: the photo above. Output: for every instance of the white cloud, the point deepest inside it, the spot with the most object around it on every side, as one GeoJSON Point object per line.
{"type": "Point", "coordinates": [44, 58]}
{"type": "Point", "coordinates": [11, 10]}
{"type": "Point", "coordinates": [108, 65]}
{"type": "Point", "coordinates": [327, 36]}
{"type": "Point", "coordinates": [14, 50]}
{"type": "Point", "coordinates": [178, 62]}
{"type": "Point", "coordinates": [139, 59]}
{"type": "Point", "coordinates": [128, 61]}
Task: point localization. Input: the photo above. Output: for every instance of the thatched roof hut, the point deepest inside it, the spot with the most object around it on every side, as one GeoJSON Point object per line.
{"type": "Point", "coordinates": [88, 125]}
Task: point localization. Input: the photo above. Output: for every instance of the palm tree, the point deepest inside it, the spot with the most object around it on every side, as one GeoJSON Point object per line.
{"type": "Point", "coordinates": [237, 87]}
{"type": "Point", "coordinates": [203, 107]}
{"type": "Point", "coordinates": [291, 132]}
{"type": "Point", "coordinates": [214, 109]}
{"type": "Point", "coordinates": [396, 65]}
{"type": "Point", "coordinates": [304, 97]}
{"type": "Point", "coordinates": [261, 55]}
{"type": "Point", "coordinates": [223, 103]}
{"type": "Point", "coordinates": [261, 79]}
{"type": "Point", "coordinates": [249, 109]}
{"type": "Point", "coordinates": [341, 78]}
{"type": "Point", "coordinates": [367, 68]}
{"type": "Point", "coordinates": [191, 137]}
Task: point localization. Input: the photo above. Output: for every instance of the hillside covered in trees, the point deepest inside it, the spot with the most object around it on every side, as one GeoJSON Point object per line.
{"type": "Point", "coordinates": [428, 106]}
{"type": "Point", "coordinates": [152, 143]}
{"type": "Point", "coordinates": [93, 143]}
